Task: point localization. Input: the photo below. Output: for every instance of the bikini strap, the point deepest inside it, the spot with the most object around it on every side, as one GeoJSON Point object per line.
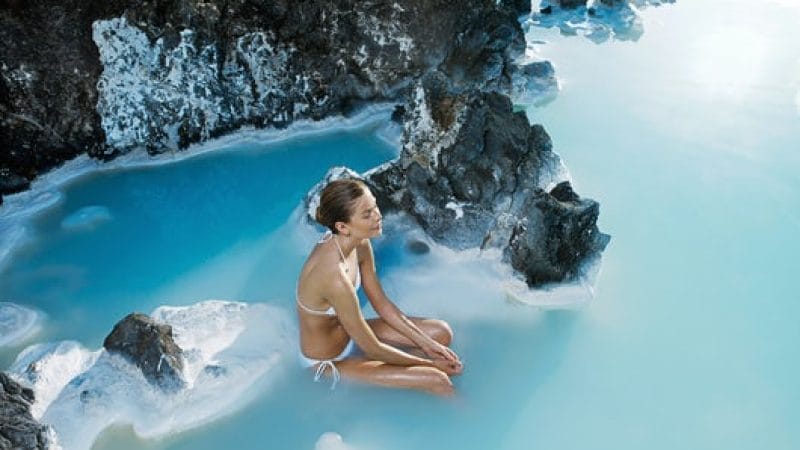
{"type": "Point", "coordinates": [327, 237]}
{"type": "Point", "coordinates": [336, 241]}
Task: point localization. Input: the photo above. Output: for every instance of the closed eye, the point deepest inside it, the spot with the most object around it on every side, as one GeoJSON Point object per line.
{"type": "Point", "coordinates": [368, 212]}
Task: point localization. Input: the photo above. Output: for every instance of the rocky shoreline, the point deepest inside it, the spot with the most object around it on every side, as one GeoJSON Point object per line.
{"type": "Point", "coordinates": [473, 173]}
{"type": "Point", "coordinates": [160, 77]}
{"type": "Point", "coordinates": [137, 338]}
{"type": "Point", "coordinates": [18, 428]}
{"type": "Point", "coordinates": [111, 77]}
{"type": "Point", "coordinates": [188, 363]}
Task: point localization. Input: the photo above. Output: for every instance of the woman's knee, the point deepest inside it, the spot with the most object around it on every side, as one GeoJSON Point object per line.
{"type": "Point", "coordinates": [442, 333]}
{"type": "Point", "coordinates": [437, 382]}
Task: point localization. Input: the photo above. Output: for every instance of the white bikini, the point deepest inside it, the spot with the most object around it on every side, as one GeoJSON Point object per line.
{"type": "Point", "coordinates": [330, 312]}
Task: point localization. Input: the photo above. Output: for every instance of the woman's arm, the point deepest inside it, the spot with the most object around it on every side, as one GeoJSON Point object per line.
{"type": "Point", "coordinates": [388, 311]}
{"type": "Point", "coordinates": [342, 296]}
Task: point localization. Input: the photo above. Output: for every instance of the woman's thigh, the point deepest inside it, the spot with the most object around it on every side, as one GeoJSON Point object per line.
{"type": "Point", "coordinates": [424, 378]}
{"type": "Point", "coordinates": [439, 330]}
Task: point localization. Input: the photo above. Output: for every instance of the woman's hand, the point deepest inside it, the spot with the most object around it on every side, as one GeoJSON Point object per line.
{"type": "Point", "coordinates": [449, 367]}
{"type": "Point", "coordinates": [443, 358]}
{"type": "Point", "coordinates": [435, 350]}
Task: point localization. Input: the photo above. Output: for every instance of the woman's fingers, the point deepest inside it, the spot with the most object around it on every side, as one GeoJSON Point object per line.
{"type": "Point", "coordinates": [457, 368]}
{"type": "Point", "coordinates": [450, 354]}
{"type": "Point", "coordinates": [448, 367]}
{"type": "Point", "coordinates": [447, 353]}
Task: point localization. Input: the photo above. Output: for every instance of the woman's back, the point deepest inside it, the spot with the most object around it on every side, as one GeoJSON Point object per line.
{"type": "Point", "coordinates": [321, 333]}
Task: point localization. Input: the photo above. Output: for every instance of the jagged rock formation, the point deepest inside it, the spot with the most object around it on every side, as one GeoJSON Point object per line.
{"type": "Point", "coordinates": [148, 345]}
{"type": "Point", "coordinates": [18, 429]}
{"type": "Point", "coordinates": [161, 76]}
{"type": "Point", "coordinates": [556, 235]}
{"type": "Point", "coordinates": [107, 77]}
{"type": "Point", "coordinates": [533, 83]}
{"type": "Point", "coordinates": [475, 174]}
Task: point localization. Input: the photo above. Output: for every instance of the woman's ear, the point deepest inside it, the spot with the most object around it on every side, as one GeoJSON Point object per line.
{"type": "Point", "coordinates": [341, 227]}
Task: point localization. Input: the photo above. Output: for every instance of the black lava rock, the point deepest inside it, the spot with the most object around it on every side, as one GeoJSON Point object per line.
{"type": "Point", "coordinates": [417, 247]}
{"type": "Point", "coordinates": [18, 429]}
{"type": "Point", "coordinates": [471, 173]}
{"type": "Point", "coordinates": [150, 346]}
{"type": "Point", "coordinates": [260, 64]}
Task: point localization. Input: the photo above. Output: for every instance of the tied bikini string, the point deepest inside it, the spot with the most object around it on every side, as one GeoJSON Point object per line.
{"type": "Point", "coordinates": [321, 371]}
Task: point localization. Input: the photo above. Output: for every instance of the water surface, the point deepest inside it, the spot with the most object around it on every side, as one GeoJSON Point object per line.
{"type": "Point", "coordinates": [687, 137]}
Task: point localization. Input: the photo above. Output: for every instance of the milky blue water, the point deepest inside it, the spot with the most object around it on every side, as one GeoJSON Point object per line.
{"type": "Point", "coordinates": [688, 137]}
{"type": "Point", "coordinates": [164, 223]}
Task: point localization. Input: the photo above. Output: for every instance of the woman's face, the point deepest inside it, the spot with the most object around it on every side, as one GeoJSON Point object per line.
{"type": "Point", "coordinates": [366, 219]}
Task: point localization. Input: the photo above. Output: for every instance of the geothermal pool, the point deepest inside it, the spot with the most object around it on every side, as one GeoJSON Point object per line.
{"type": "Point", "coordinates": [686, 135]}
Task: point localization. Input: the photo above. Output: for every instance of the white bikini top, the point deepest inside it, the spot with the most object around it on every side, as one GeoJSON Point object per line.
{"type": "Point", "coordinates": [330, 311]}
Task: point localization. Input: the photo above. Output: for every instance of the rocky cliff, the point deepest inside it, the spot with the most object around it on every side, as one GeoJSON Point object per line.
{"type": "Point", "coordinates": [115, 76]}
{"type": "Point", "coordinates": [106, 77]}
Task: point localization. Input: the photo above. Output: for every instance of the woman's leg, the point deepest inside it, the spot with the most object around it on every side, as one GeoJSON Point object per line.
{"type": "Point", "coordinates": [423, 378]}
{"type": "Point", "coordinates": [439, 330]}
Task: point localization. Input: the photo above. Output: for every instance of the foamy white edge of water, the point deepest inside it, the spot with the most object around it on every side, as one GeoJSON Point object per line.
{"type": "Point", "coordinates": [46, 191]}
{"type": "Point", "coordinates": [48, 367]}
{"type": "Point", "coordinates": [332, 441]}
{"type": "Point", "coordinates": [232, 351]}
{"type": "Point", "coordinates": [18, 323]}
{"type": "Point", "coordinates": [491, 290]}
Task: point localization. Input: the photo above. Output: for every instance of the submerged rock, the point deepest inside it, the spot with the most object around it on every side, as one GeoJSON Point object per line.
{"type": "Point", "coordinates": [417, 247]}
{"type": "Point", "coordinates": [148, 345]}
{"type": "Point", "coordinates": [18, 428]}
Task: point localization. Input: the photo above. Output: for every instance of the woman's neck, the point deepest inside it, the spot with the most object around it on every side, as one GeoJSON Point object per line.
{"type": "Point", "coordinates": [347, 244]}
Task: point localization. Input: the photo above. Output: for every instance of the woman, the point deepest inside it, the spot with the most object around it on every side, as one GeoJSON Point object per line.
{"type": "Point", "coordinates": [329, 313]}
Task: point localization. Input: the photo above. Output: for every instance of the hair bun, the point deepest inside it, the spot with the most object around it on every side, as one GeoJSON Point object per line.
{"type": "Point", "coordinates": [319, 217]}
{"type": "Point", "coordinates": [336, 202]}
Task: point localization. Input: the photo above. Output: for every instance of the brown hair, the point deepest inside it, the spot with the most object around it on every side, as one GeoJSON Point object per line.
{"type": "Point", "coordinates": [337, 200]}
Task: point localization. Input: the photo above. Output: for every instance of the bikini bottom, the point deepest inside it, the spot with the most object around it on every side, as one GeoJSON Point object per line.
{"type": "Point", "coordinates": [327, 363]}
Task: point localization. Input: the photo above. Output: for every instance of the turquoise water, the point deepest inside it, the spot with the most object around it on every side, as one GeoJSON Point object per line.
{"type": "Point", "coordinates": [167, 223]}
{"type": "Point", "coordinates": [688, 137]}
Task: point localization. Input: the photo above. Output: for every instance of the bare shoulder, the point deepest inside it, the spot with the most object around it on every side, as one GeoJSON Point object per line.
{"type": "Point", "coordinates": [320, 267]}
